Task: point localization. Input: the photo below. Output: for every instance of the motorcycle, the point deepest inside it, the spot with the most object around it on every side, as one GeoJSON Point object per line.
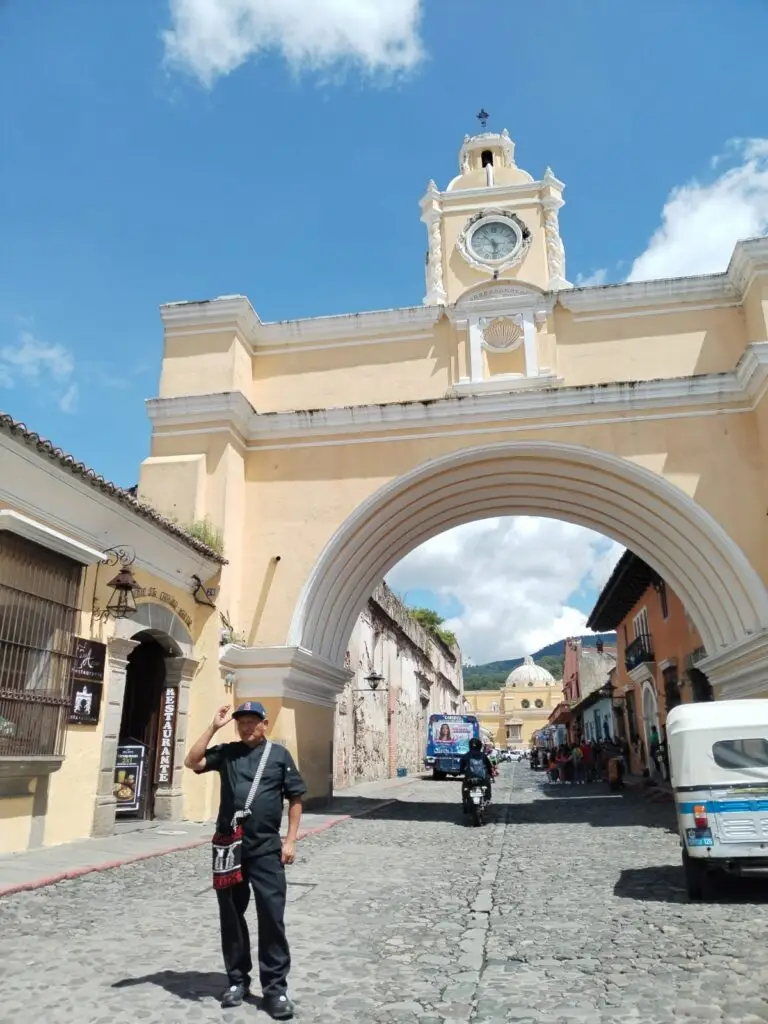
{"type": "Point", "coordinates": [476, 803]}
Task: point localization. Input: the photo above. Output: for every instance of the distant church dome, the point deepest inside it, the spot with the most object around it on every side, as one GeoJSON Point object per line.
{"type": "Point", "coordinates": [530, 674]}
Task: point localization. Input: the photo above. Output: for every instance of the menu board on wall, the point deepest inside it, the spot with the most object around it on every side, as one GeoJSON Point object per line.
{"type": "Point", "coordinates": [129, 774]}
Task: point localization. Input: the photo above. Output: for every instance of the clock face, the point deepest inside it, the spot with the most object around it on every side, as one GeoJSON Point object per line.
{"type": "Point", "coordinates": [494, 240]}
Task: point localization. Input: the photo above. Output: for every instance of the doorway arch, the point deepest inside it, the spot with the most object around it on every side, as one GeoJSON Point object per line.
{"type": "Point", "coordinates": [725, 597]}
{"type": "Point", "coordinates": [650, 721]}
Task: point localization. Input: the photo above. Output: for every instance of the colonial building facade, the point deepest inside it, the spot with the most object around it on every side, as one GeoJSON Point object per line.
{"type": "Point", "coordinates": [400, 676]}
{"type": "Point", "coordinates": [326, 449]}
{"type": "Point", "coordinates": [659, 654]}
{"type": "Point", "coordinates": [519, 709]}
{"type": "Point", "coordinates": [109, 643]}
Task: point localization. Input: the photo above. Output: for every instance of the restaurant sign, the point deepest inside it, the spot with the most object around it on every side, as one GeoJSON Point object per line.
{"type": "Point", "coordinates": [167, 736]}
{"type": "Point", "coordinates": [87, 681]}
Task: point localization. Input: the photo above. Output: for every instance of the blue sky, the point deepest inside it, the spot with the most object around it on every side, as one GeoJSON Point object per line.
{"type": "Point", "coordinates": [126, 181]}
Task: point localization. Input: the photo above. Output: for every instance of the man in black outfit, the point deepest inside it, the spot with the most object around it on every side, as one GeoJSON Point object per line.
{"type": "Point", "coordinates": [264, 855]}
{"type": "Point", "coordinates": [477, 767]}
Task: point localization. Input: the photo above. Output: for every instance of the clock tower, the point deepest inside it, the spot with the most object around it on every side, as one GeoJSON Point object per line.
{"type": "Point", "coordinates": [492, 223]}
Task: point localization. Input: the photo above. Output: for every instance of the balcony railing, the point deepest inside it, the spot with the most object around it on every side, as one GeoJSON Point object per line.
{"type": "Point", "coordinates": [639, 651]}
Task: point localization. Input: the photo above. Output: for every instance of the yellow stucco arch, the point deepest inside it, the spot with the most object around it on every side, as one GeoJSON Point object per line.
{"type": "Point", "coordinates": [723, 593]}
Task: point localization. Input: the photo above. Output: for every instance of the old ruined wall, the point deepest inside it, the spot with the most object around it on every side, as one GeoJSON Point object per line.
{"type": "Point", "coordinates": [377, 732]}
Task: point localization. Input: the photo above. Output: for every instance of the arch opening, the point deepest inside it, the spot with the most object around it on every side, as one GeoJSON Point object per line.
{"type": "Point", "coordinates": [725, 597]}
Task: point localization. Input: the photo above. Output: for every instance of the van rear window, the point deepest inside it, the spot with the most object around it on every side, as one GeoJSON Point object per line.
{"type": "Point", "coordinates": [744, 753]}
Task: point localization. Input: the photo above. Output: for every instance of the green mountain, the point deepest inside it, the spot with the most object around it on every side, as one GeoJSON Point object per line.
{"type": "Point", "coordinates": [493, 674]}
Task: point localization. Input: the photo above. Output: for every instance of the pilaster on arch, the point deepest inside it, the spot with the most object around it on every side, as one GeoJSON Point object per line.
{"type": "Point", "coordinates": [721, 590]}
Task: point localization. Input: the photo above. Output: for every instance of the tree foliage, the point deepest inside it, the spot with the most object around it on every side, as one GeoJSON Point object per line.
{"type": "Point", "coordinates": [430, 621]}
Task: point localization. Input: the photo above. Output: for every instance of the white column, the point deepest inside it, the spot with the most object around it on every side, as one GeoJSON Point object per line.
{"type": "Point", "coordinates": [476, 369]}
{"type": "Point", "coordinates": [529, 343]}
{"type": "Point", "coordinates": [555, 250]}
{"type": "Point", "coordinates": [431, 215]}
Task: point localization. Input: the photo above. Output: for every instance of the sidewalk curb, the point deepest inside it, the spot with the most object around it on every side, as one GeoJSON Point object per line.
{"type": "Point", "coordinates": [110, 865]}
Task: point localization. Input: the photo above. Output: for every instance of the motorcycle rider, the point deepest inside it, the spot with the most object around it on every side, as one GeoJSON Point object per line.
{"type": "Point", "coordinates": [477, 767]}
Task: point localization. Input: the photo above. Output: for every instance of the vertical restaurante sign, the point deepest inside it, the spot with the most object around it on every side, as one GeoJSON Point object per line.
{"type": "Point", "coordinates": [167, 736]}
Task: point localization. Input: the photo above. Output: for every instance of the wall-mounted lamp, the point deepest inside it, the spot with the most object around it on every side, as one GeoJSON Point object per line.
{"type": "Point", "coordinates": [374, 680]}
{"type": "Point", "coordinates": [122, 603]}
{"type": "Point", "coordinates": [229, 680]}
{"type": "Point", "coordinates": [122, 600]}
{"type": "Point", "coordinates": [201, 595]}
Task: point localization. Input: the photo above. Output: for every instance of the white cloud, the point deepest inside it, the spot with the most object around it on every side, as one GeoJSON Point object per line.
{"type": "Point", "coordinates": [32, 359]}
{"type": "Point", "coordinates": [701, 222]}
{"type": "Point", "coordinates": [597, 277]}
{"type": "Point", "coordinates": [210, 38]}
{"type": "Point", "coordinates": [512, 576]}
{"type": "Point", "coordinates": [37, 364]}
{"type": "Point", "coordinates": [68, 401]}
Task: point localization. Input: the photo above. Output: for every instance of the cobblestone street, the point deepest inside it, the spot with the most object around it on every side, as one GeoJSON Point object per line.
{"type": "Point", "coordinates": [567, 906]}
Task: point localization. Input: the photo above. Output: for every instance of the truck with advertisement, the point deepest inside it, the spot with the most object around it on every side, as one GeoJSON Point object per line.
{"type": "Point", "coordinates": [448, 739]}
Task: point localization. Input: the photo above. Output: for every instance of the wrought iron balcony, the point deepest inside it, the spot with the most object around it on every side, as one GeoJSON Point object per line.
{"type": "Point", "coordinates": [639, 652]}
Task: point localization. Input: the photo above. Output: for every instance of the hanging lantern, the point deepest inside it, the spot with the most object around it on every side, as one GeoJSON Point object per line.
{"type": "Point", "coordinates": [122, 603]}
{"type": "Point", "coordinates": [374, 680]}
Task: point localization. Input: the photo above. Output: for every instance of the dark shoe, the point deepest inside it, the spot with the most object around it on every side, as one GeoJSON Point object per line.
{"type": "Point", "coordinates": [235, 995]}
{"type": "Point", "coordinates": [278, 1007]}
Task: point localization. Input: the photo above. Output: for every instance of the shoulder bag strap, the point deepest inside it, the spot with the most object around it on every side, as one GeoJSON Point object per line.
{"type": "Point", "coordinates": [239, 815]}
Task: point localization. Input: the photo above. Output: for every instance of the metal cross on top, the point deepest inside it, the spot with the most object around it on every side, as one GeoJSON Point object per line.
{"type": "Point", "coordinates": [482, 117]}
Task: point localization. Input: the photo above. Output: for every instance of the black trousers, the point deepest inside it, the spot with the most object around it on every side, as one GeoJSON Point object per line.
{"type": "Point", "coordinates": [264, 874]}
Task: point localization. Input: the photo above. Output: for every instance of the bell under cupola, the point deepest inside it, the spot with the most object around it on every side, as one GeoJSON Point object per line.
{"type": "Point", "coordinates": [493, 222]}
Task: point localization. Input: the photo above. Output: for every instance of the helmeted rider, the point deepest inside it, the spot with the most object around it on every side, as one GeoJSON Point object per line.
{"type": "Point", "coordinates": [477, 768]}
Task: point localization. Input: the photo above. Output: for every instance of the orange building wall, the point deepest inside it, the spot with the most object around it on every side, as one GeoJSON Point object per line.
{"type": "Point", "coordinates": [673, 638]}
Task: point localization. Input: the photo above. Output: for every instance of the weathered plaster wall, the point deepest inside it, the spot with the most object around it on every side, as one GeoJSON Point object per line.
{"type": "Point", "coordinates": [377, 732]}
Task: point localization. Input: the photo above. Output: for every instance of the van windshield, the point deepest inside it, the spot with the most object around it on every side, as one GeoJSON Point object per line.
{"type": "Point", "coordinates": [742, 753]}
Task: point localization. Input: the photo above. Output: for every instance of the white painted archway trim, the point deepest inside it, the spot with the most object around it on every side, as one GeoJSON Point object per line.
{"type": "Point", "coordinates": [688, 548]}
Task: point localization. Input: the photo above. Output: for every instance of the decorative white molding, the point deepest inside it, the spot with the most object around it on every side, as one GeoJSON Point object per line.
{"type": "Point", "coordinates": [737, 390]}
{"type": "Point", "coordinates": [490, 216]}
{"type": "Point", "coordinates": [502, 333]}
{"type": "Point", "coordinates": [290, 673]}
{"type": "Point", "coordinates": [503, 385]}
{"type": "Point", "coordinates": [554, 244]}
{"type": "Point", "coordinates": [235, 313]}
{"type": "Point", "coordinates": [741, 669]}
{"type": "Point", "coordinates": [48, 538]}
{"type": "Point", "coordinates": [431, 216]}
{"type": "Point", "coordinates": [643, 672]}
{"type": "Point", "coordinates": [118, 650]}
{"type": "Point", "coordinates": [677, 294]}
{"type": "Point", "coordinates": [226, 313]}
{"type": "Point", "coordinates": [488, 140]}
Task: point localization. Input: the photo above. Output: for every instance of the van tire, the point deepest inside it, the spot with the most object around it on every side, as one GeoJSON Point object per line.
{"type": "Point", "coordinates": [695, 877]}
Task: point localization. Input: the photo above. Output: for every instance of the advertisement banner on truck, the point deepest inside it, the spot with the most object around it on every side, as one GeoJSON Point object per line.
{"type": "Point", "coordinates": [451, 734]}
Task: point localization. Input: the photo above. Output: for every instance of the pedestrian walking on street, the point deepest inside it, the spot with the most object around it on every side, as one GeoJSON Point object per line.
{"type": "Point", "coordinates": [256, 778]}
{"type": "Point", "coordinates": [579, 777]}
